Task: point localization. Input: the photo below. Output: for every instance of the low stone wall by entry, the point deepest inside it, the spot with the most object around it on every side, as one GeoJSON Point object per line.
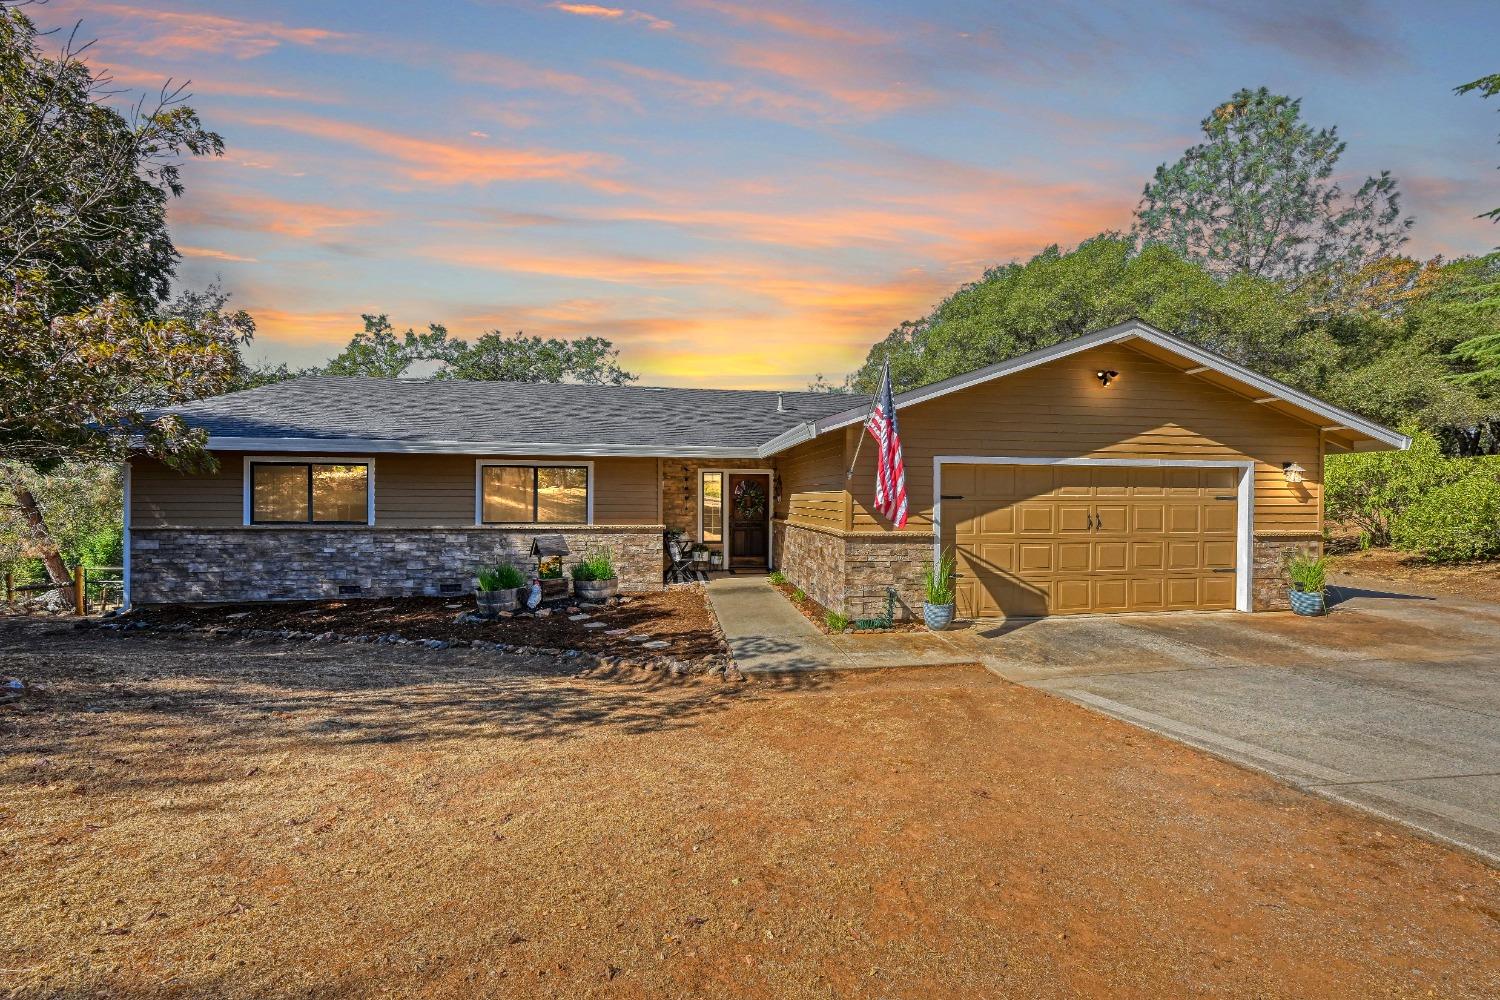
{"type": "Point", "coordinates": [850, 571]}
{"type": "Point", "coordinates": [1271, 550]}
{"type": "Point", "coordinates": [183, 565]}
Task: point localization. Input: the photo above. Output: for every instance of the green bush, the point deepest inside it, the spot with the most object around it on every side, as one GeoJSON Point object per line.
{"type": "Point", "coordinates": [835, 621]}
{"type": "Point", "coordinates": [101, 547]}
{"type": "Point", "coordinates": [1370, 491]}
{"type": "Point", "coordinates": [799, 595]}
{"type": "Point", "coordinates": [505, 577]}
{"type": "Point", "coordinates": [597, 564]}
{"type": "Point", "coordinates": [777, 578]}
{"type": "Point", "coordinates": [1308, 574]}
{"type": "Point", "coordinates": [1457, 522]}
{"type": "Point", "coordinates": [937, 581]}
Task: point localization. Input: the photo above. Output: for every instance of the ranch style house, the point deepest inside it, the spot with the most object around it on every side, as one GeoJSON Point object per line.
{"type": "Point", "coordinates": [1124, 470]}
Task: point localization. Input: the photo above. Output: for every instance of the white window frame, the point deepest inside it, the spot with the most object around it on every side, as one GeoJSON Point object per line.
{"type": "Point", "coordinates": [770, 475]}
{"type": "Point", "coordinates": [482, 463]}
{"type": "Point", "coordinates": [1244, 568]}
{"type": "Point", "coordinates": [247, 513]}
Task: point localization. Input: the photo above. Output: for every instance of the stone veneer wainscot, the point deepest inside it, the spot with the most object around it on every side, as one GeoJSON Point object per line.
{"type": "Point", "coordinates": [171, 565]}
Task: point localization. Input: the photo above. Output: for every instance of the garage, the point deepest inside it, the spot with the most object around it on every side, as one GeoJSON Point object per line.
{"type": "Point", "coordinates": [1058, 537]}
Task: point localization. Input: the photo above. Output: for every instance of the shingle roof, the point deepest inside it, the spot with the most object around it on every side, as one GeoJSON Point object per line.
{"type": "Point", "coordinates": [417, 412]}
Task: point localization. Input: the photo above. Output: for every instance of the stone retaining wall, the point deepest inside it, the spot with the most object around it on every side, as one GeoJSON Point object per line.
{"type": "Point", "coordinates": [1268, 585]}
{"type": "Point", "coordinates": [182, 565]}
{"type": "Point", "coordinates": [849, 571]}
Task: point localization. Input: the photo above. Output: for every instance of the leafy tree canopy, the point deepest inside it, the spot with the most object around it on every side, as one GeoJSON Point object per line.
{"type": "Point", "coordinates": [1257, 197]}
{"type": "Point", "coordinates": [83, 188]}
{"type": "Point", "coordinates": [519, 358]}
{"type": "Point", "coordinates": [378, 352]}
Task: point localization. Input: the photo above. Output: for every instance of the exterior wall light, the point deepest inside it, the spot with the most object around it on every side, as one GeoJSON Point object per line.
{"type": "Point", "coordinates": [1106, 377]}
{"type": "Point", "coordinates": [1292, 471]}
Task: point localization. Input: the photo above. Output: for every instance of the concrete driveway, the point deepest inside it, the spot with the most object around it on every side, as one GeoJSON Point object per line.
{"type": "Point", "coordinates": [1391, 703]}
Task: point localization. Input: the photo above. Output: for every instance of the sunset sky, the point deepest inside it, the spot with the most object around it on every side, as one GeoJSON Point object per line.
{"type": "Point", "coordinates": [741, 193]}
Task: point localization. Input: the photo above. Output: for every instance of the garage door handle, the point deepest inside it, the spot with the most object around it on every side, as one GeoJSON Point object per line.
{"type": "Point", "coordinates": [1226, 498]}
{"type": "Point", "coordinates": [947, 497]}
{"type": "Point", "coordinates": [1229, 570]}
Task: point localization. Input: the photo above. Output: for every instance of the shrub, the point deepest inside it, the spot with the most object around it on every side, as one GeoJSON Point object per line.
{"type": "Point", "coordinates": [505, 577]}
{"type": "Point", "coordinates": [937, 581]}
{"type": "Point", "coordinates": [1308, 574]}
{"type": "Point", "coordinates": [101, 547]}
{"type": "Point", "coordinates": [835, 621]}
{"type": "Point", "coordinates": [597, 564]}
{"type": "Point", "coordinates": [778, 578]}
{"type": "Point", "coordinates": [799, 595]}
{"type": "Point", "coordinates": [1370, 491]}
{"type": "Point", "coordinates": [1454, 523]}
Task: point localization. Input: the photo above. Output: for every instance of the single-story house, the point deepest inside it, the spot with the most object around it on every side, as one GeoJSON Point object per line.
{"type": "Point", "coordinates": [1124, 470]}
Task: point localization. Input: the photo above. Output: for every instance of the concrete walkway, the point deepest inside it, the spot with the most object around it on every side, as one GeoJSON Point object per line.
{"type": "Point", "coordinates": [767, 634]}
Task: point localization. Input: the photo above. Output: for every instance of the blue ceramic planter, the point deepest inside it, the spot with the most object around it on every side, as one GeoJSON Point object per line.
{"type": "Point", "coordinates": [937, 616]}
{"type": "Point", "coordinates": [1308, 603]}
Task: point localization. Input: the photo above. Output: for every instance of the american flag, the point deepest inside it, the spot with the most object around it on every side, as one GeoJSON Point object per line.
{"type": "Point", "coordinates": [890, 468]}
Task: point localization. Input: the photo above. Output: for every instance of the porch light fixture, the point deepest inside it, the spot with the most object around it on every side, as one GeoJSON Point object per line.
{"type": "Point", "coordinates": [1292, 471]}
{"type": "Point", "coordinates": [1106, 377]}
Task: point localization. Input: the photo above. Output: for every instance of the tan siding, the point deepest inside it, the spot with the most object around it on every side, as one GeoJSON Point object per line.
{"type": "Point", "coordinates": [812, 482]}
{"type": "Point", "coordinates": [162, 498]}
{"type": "Point", "coordinates": [1151, 411]}
{"type": "Point", "coordinates": [411, 491]}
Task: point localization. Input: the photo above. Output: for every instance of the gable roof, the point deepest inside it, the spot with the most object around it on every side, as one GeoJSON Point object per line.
{"type": "Point", "coordinates": [346, 415]}
{"type": "Point", "coordinates": [1344, 430]}
{"type": "Point", "coordinates": [334, 414]}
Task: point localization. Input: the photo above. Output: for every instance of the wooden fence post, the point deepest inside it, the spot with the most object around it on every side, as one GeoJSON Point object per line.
{"type": "Point", "coordinates": [10, 589]}
{"type": "Point", "coordinates": [80, 602]}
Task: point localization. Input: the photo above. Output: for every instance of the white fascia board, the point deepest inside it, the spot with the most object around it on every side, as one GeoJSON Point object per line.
{"type": "Point", "coordinates": [520, 448]}
{"type": "Point", "coordinates": [787, 439]}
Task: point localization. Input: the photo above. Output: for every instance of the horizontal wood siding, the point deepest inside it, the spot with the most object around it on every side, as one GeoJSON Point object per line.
{"type": "Point", "coordinates": [812, 482]}
{"type": "Point", "coordinates": [163, 498]}
{"type": "Point", "coordinates": [1061, 410]}
{"type": "Point", "coordinates": [411, 491]}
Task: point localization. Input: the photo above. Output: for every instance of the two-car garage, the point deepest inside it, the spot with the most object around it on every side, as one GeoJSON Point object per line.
{"type": "Point", "coordinates": [1052, 536]}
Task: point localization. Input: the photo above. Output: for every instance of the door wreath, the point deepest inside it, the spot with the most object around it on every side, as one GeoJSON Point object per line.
{"type": "Point", "coordinates": [749, 500]}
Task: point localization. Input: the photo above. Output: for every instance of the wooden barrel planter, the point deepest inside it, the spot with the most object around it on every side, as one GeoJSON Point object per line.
{"type": "Point", "coordinates": [596, 590]}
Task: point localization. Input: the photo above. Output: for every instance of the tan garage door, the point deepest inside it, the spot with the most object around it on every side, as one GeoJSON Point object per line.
{"type": "Point", "coordinates": [1069, 539]}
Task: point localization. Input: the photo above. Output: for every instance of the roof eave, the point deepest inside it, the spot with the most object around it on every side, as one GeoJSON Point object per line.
{"type": "Point", "coordinates": [1126, 331]}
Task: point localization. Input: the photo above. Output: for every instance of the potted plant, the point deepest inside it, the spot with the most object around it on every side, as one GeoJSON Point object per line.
{"type": "Point", "coordinates": [496, 589]}
{"type": "Point", "coordinates": [938, 607]}
{"type": "Point", "coordinates": [594, 578]}
{"type": "Point", "coordinates": [1307, 575]}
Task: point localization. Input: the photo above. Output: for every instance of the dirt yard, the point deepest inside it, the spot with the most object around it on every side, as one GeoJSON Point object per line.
{"type": "Point", "coordinates": [1478, 580]}
{"type": "Point", "coordinates": [181, 817]}
{"type": "Point", "coordinates": [677, 621]}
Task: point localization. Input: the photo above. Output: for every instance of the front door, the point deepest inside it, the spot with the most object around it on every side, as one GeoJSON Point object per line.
{"type": "Point", "coordinates": [749, 509]}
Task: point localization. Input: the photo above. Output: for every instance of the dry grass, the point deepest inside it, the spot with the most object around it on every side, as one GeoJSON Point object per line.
{"type": "Point", "coordinates": [1478, 580]}
{"type": "Point", "coordinates": [183, 818]}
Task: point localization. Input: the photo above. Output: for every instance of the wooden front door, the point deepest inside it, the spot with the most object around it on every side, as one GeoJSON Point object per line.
{"type": "Point", "coordinates": [748, 506]}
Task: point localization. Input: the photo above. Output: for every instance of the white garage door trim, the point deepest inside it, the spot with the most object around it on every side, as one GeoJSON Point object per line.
{"type": "Point", "coordinates": [1244, 550]}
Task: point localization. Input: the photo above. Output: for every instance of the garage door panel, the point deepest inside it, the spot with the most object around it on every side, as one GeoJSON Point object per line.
{"type": "Point", "coordinates": [1220, 517]}
{"type": "Point", "coordinates": [1074, 557]}
{"type": "Point", "coordinates": [1037, 540]}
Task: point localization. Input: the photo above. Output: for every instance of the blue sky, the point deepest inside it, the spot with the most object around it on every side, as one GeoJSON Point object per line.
{"type": "Point", "coordinates": [741, 194]}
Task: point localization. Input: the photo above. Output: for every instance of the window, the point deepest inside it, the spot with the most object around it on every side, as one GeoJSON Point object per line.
{"type": "Point", "coordinates": [534, 494]}
{"type": "Point", "coordinates": [713, 507]}
{"type": "Point", "coordinates": [309, 493]}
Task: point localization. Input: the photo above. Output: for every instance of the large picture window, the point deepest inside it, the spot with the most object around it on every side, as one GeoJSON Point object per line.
{"type": "Point", "coordinates": [534, 494]}
{"type": "Point", "coordinates": [309, 493]}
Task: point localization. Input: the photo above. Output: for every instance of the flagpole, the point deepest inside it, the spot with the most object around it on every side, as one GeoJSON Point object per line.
{"type": "Point", "coordinates": [885, 373]}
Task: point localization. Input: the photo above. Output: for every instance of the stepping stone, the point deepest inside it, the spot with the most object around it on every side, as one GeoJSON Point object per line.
{"type": "Point", "coordinates": [593, 625]}
{"type": "Point", "coordinates": [450, 607]}
{"type": "Point", "coordinates": [579, 617]}
{"type": "Point", "coordinates": [640, 638]}
{"type": "Point", "coordinates": [615, 631]}
{"type": "Point", "coordinates": [239, 614]}
{"type": "Point", "coordinates": [656, 644]}
{"type": "Point", "coordinates": [373, 611]}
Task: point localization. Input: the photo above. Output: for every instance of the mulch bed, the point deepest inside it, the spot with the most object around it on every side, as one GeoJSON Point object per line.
{"type": "Point", "coordinates": [1479, 580]}
{"type": "Point", "coordinates": [679, 617]}
{"type": "Point", "coordinates": [818, 615]}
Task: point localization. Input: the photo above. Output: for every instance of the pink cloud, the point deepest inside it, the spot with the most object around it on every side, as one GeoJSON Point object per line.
{"type": "Point", "coordinates": [612, 14]}
{"type": "Point", "coordinates": [153, 31]}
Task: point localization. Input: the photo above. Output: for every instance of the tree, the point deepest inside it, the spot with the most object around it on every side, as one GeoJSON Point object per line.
{"type": "Point", "coordinates": [1256, 198]}
{"type": "Point", "coordinates": [83, 188]}
{"type": "Point", "coordinates": [377, 352]}
{"type": "Point", "coordinates": [519, 358]}
{"type": "Point", "coordinates": [1487, 87]}
{"type": "Point", "coordinates": [1016, 308]}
